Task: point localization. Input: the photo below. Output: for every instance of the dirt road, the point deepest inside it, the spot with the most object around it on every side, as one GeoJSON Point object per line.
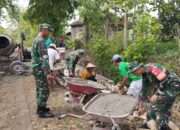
{"type": "Point", "coordinates": [18, 108]}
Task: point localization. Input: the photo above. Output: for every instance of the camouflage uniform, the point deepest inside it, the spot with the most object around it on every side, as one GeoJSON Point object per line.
{"type": "Point", "coordinates": [166, 90]}
{"type": "Point", "coordinates": [40, 70]}
{"type": "Point", "coordinates": [72, 59]}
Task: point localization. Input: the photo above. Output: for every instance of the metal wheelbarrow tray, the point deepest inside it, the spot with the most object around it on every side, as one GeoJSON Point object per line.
{"type": "Point", "coordinates": [83, 86]}
{"type": "Point", "coordinates": [108, 107]}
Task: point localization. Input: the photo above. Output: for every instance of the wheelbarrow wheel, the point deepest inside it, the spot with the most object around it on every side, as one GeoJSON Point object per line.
{"type": "Point", "coordinates": [17, 68]}
{"type": "Point", "coordinates": [116, 128]}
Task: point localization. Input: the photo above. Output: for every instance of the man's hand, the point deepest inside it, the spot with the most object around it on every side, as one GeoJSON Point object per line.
{"type": "Point", "coordinates": [51, 76]}
{"type": "Point", "coordinates": [153, 98]}
{"type": "Point", "coordinates": [119, 89]}
{"type": "Point", "coordinates": [115, 89]}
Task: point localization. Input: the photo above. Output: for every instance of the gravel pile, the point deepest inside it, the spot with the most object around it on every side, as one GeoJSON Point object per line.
{"type": "Point", "coordinates": [111, 105]}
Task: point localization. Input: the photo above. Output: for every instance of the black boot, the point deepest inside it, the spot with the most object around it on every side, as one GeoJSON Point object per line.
{"type": "Point", "coordinates": [144, 126]}
{"type": "Point", "coordinates": [164, 127]}
{"type": "Point", "coordinates": [47, 109]}
{"type": "Point", "coordinates": [44, 112]}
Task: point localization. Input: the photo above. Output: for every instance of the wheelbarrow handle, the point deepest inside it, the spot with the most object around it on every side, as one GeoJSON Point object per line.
{"type": "Point", "coordinates": [115, 125]}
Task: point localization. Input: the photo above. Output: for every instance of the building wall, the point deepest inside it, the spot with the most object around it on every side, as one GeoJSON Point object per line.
{"type": "Point", "coordinates": [77, 32]}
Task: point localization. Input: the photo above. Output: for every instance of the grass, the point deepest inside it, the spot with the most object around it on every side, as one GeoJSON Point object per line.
{"type": "Point", "coordinates": [168, 54]}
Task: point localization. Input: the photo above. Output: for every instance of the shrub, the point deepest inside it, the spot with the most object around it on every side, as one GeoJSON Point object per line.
{"type": "Point", "coordinates": [168, 54]}
{"type": "Point", "coordinates": [163, 47]}
{"type": "Point", "coordinates": [146, 32]}
{"type": "Point", "coordinates": [102, 51]}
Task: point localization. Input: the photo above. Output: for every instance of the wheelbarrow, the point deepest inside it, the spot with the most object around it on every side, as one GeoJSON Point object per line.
{"type": "Point", "coordinates": [109, 110]}
{"type": "Point", "coordinates": [81, 91]}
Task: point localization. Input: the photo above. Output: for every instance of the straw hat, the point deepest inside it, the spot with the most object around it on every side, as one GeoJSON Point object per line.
{"type": "Point", "coordinates": [90, 65]}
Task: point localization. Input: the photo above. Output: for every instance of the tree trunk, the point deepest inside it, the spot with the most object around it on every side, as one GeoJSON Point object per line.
{"type": "Point", "coordinates": [87, 35]}
{"type": "Point", "coordinates": [125, 31]}
{"type": "Point", "coordinates": [107, 28]}
{"type": "Point", "coordinates": [178, 35]}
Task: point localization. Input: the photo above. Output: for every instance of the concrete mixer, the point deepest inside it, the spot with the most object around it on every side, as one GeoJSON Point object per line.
{"type": "Point", "coordinates": [12, 56]}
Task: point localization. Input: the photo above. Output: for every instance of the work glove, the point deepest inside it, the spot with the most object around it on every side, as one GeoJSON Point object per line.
{"type": "Point", "coordinates": [115, 89]}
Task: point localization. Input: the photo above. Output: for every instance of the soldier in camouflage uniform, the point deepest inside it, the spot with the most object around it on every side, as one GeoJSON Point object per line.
{"type": "Point", "coordinates": [40, 71]}
{"type": "Point", "coordinates": [167, 88]}
{"type": "Point", "coordinates": [72, 59]}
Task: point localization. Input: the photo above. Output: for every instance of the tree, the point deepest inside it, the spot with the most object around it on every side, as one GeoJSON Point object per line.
{"type": "Point", "coordinates": [169, 17]}
{"type": "Point", "coordinates": [9, 7]}
{"type": "Point", "coordinates": [146, 30]}
{"type": "Point", "coordinates": [126, 7]}
{"type": "Point", "coordinates": [97, 17]}
{"type": "Point", "coordinates": [92, 14]}
{"type": "Point", "coordinates": [54, 12]}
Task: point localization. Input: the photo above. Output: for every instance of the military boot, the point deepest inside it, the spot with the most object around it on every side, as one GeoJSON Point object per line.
{"type": "Point", "coordinates": [47, 109]}
{"type": "Point", "coordinates": [44, 112]}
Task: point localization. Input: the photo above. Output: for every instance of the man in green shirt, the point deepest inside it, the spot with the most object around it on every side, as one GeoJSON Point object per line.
{"type": "Point", "coordinates": [134, 82]}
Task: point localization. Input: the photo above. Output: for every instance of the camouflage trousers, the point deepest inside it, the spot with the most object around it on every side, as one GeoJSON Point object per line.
{"type": "Point", "coordinates": [160, 111]}
{"type": "Point", "coordinates": [167, 93]}
{"type": "Point", "coordinates": [42, 90]}
{"type": "Point", "coordinates": [71, 64]}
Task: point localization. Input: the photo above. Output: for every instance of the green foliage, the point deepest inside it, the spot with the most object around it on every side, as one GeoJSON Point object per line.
{"type": "Point", "coordinates": [169, 17]}
{"type": "Point", "coordinates": [102, 51]}
{"type": "Point", "coordinates": [70, 43]}
{"type": "Point", "coordinates": [146, 32]}
{"type": "Point", "coordinates": [10, 8]}
{"type": "Point", "coordinates": [29, 29]}
{"type": "Point", "coordinates": [93, 13]}
{"type": "Point", "coordinates": [125, 4]}
{"type": "Point", "coordinates": [54, 12]}
{"type": "Point", "coordinates": [23, 25]}
{"type": "Point", "coordinates": [168, 54]}
{"type": "Point", "coordinates": [164, 47]}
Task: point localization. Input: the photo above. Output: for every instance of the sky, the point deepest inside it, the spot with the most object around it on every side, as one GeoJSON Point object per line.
{"type": "Point", "coordinates": [22, 3]}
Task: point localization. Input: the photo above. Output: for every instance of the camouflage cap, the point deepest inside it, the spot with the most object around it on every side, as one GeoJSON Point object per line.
{"type": "Point", "coordinates": [51, 29]}
{"type": "Point", "coordinates": [44, 26]}
{"type": "Point", "coordinates": [134, 66]}
{"type": "Point", "coordinates": [80, 51]}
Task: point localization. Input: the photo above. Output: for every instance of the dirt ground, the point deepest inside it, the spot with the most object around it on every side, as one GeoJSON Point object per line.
{"type": "Point", "coordinates": [18, 107]}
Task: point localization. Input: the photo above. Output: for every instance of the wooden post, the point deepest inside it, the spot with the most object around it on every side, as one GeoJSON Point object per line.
{"type": "Point", "coordinates": [107, 29]}
{"type": "Point", "coordinates": [86, 30]}
{"type": "Point", "coordinates": [125, 30]}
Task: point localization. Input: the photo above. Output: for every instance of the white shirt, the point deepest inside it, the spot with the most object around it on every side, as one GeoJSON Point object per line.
{"type": "Point", "coordinates": [53, 57]}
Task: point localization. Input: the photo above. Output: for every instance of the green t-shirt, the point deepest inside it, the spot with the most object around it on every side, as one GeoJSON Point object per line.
{"type": "Point", "coordinates": [124, 72]}
{"type": "Point", "coordinates": [48, 42]}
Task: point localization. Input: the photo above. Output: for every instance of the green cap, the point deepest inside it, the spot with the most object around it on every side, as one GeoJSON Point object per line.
{"type": "Point", "coordinates": [80, 51]}
{"type": "Point", "coordinates": [134, 66]}
{"type": "Point", "coordinates": [44, 26]}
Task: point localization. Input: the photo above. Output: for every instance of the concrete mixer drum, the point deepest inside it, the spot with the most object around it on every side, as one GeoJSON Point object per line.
{"type": "Point", "coordinates": [12, 56]}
